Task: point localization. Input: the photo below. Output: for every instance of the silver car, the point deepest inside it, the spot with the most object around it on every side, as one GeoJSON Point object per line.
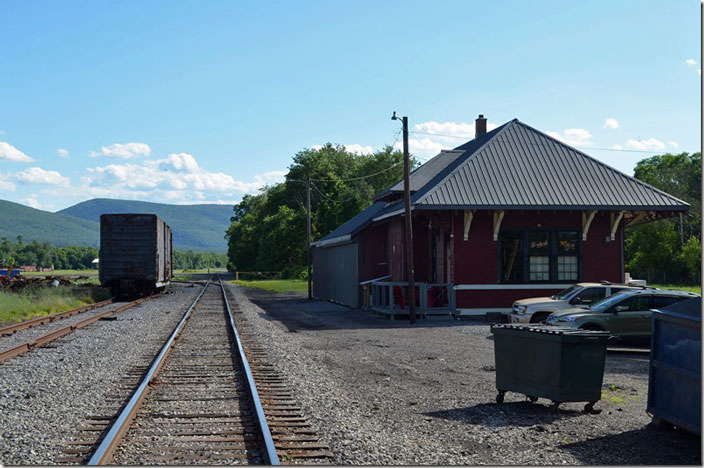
{"type": "Point", "coordinates": [537, 309]}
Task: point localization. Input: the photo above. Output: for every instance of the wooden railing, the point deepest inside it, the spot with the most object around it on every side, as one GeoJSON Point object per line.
{"type": "Point", "coordinates": [391, 297]}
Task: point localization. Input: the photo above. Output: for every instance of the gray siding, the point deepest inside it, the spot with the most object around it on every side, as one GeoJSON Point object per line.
{"type": "Point", "coordinates": [336, 274]}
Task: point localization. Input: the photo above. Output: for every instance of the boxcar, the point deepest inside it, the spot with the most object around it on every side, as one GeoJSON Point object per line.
{"type": "Point", "coordinates": [135, 253]}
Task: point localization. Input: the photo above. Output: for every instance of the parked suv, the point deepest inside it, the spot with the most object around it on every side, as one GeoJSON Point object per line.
{"type": "Point", "coordinates": [626, 314]}
{"type": "Point", "coordinates": [537, 309]}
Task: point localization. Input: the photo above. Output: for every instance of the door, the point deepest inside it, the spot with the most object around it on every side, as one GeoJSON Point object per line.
{"type": "Point", "coordinates": [630, 318]}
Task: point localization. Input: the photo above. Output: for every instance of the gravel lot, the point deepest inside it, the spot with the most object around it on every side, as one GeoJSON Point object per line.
{"type": "Point", "coordinates": [383, 392]}
{"type": "Point", "coordinates": [47, 392]}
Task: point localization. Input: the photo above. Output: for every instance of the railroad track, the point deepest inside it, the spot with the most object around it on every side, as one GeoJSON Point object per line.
{"type": "Point", "coordinates": [56, 334]}
{"type": "Point", "coordinates": [208, 397]}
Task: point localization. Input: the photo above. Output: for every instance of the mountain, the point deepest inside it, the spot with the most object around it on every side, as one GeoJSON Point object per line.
{"type": "Point", "coordinates": [195, 227]}
{"type": "Point", "coordinates": [59, 229]}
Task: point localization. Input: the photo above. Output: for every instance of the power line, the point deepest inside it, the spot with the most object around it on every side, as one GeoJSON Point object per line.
{"type": "Point", "coordinates": [328, 198]}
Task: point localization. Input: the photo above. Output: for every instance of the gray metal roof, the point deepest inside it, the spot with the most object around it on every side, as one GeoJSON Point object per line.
{"type": "Point", "coordinates": [519, 167]}
{"type": "Point", "coordinates": [425, 173]}
{"type": "Point", "coordinates": [352, 226]}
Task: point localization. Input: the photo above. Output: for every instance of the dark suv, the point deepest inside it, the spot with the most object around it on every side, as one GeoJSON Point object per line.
{"type": "Point", "coordinates": [626, 314]}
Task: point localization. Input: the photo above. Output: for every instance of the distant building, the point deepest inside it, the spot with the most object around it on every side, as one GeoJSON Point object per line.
{"type": "Point", "coordinates": [512, 213]}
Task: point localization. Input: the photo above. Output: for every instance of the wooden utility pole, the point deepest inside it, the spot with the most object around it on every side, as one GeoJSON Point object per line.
{"type": "Point", "coordinates": [408, 240]}
{"type": "Point", "coordinates": [310, 278]}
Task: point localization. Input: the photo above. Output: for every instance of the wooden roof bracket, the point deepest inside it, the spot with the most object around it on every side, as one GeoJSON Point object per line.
{"type": "Point", "coordinates": [587, 218]}
{"type": "Point", "coordinates": [498, 217]}
{"type": "Point", "coordinates": [637, 218]}
{"type": "Point", "coordinates": [615, 219]}
{"type": "Point", "coordinates": [468, 216]}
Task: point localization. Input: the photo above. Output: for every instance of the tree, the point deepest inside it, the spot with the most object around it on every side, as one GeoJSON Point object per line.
{"type": "Point", "coordinates": [655, 251]}
{"type": "Point", "coordinates": [268, 230]}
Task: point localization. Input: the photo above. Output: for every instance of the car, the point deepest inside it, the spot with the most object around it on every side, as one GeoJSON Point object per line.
{"type": "Point", "coordinates": [537, 309]}
{"type": "Point", "coordinates": [626, 315]}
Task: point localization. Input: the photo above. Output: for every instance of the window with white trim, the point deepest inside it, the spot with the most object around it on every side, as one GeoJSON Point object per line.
{"type": "Point", "coordinates": [540, 256]}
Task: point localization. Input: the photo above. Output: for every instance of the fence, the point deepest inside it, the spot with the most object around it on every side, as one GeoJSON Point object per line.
{"type": "Point", "coordinates": [392, 298]}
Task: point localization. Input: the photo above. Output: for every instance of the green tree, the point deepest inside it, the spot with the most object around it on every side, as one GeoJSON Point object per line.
{"type": "Point", "coordinates": [669, 250]}
{"type": "Point", "coordinates": [268, 230]}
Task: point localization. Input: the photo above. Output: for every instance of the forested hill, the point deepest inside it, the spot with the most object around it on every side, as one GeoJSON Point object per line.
{"type": "Point", "coordinates": [59, 229]}
{"type": "Point", "coordinates": [195, 227]}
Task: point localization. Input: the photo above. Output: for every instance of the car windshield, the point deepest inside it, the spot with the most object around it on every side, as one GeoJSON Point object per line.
{"type": "Point", "coordinates": [608, 301]}
{"type": "Point", "coordinates": [565, 292]}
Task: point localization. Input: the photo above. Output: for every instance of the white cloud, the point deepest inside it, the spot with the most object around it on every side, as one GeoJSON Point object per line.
{"type": "Point", "coordinates": [359, 149]}
{"type": "Point", "coordinates": [611, 123]}
{"type": "Point", "coordinates": [123, 150]}
{"type": "Point", "coordinates": [433, 137]}
{"type": "Point", "coordinates": [649, 144]}
{"type": "Point", "coordinates": [31, 202]}
{"type": "Point", "coordinates": [6, 184]}
{"type": "Point", "coordinates": [617, 147]}
{"type": "Point", "coordinates": [37, 175]}
{"type": "Point", "coordinates": [10, 153]}
{"type": "Point", "coordinates": [674, 144]}
{"type": "Point", "coordinates": [352, 148]}
{"type": "Point", "coordinates": [177, 178]}
{"type": "Point", "coordinates": [690, 62]}
{"type": "Point", "coordinates": [573, 136]}
{"type": "Point", "coordinates": [62, 152]}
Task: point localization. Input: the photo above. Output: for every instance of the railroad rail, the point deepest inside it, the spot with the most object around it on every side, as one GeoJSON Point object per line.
{"type": "Point", "coordinates": [10, 329]}
{"type": "Point", "coordinates": [209, 396]}
{"type": "Point", "coordinates": [56, 334]}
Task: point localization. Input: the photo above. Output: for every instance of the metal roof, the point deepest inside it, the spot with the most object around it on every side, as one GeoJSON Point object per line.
{"type": "Point", "coordinates": [519, 167]}
{"type": "Point", "coordinates": [352, 226]}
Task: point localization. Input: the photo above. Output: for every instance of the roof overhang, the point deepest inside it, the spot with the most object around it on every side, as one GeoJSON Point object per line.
{"type": "Point", "coordinates": [334, 241]}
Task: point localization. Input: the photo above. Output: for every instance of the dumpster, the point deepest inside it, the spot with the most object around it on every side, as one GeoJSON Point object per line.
{"type": "Point", "coordinates": [675, 377]}
{"type": "Point", "coordinates": [542, 361]}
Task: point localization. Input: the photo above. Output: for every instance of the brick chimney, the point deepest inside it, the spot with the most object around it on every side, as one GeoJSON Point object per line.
{"type": "Point", "coordinates": [479, 126]}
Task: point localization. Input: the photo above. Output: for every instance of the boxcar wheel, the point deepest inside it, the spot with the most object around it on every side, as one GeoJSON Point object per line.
{"type": "Point", "coordinates": [500, 397]}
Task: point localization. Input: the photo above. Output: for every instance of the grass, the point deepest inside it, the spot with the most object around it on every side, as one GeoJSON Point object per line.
{"type": "Point", "coordinates": [280, 286]}
{"type": "Point", "coordinates": [29, 303]}
{"type": "Point", "coordinates": [42, 274]}
{"type": "Point", "coordinates": [679, 287]}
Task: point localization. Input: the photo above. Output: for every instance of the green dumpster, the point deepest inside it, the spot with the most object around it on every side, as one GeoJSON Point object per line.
{"type": "Point", "coordinates": [543, 361]}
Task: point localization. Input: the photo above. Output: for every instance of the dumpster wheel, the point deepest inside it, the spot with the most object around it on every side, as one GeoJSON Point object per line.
{"type": "Point", "coordinates": [589, 408]}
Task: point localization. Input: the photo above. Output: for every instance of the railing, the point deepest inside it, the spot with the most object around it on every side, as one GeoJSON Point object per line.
{"type": "Point", "coordinates": [391, 297]}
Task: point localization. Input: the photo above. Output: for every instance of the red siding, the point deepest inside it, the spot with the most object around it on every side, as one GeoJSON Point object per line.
{"type": "Point", "coordinates": [497, 298]}
{"type": "Point", "coordinates": [373, 262]}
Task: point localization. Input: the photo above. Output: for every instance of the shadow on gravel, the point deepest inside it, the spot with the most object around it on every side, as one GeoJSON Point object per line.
{"type": "Point", "coordinates": [640, 447]}
{"type": "Point", "coordinates": [519, 413]}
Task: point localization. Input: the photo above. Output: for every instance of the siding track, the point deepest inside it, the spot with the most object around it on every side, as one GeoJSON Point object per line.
{"type": "Point", "coordinates": [198, 403]}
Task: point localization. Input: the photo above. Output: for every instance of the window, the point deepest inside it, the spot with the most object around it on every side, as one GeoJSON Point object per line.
{"type": "Point", "coordinates": [663, 301]}
{"type": "Point", "coordinates": [512, 257]}
{"type": "Point", "coordinates": [567, 266]}
{"type": "Point", "coordinates": [539, 256]}
{"type": "Point", "coordinates": [589, 296]}
{"type": "Point", "coordinates": [634, 304]}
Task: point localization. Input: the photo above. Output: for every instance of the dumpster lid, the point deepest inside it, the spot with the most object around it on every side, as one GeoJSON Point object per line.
{"type": "Point", "coordinates": [690, 309]}
{"type": "Point", "coordinates": [549, 329]}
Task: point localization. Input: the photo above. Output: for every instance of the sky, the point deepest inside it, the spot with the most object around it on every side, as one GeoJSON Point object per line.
{"type": "Point", "coordinates": [203, 102]}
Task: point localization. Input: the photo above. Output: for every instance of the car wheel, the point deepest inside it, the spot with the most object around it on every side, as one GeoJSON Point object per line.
{"type": "Point", "coordinates": [539, 317]}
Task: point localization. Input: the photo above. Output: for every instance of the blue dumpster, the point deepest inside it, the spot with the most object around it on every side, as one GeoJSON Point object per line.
{"type": "Point", "coordinates": [674, 385]}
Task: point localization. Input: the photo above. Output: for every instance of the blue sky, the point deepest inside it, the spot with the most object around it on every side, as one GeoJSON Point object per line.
{"type": "Point", "coordinates": [202, 102]}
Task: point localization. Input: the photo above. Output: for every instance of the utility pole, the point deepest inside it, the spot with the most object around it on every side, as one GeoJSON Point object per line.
{"type": "Point", "coordinates": [408, 244]}
{"type": "Point", "coordinates": [310, 278]}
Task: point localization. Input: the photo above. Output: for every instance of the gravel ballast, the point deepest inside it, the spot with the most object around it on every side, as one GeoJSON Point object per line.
{"type": "Point", "coordinates": [47, 392]}
{"type": "Point", "coordinates": [383, 392]}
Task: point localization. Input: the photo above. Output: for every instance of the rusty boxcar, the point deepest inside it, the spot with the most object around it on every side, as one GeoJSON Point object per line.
{"type": "Point", "coordinates": [135, 253]}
